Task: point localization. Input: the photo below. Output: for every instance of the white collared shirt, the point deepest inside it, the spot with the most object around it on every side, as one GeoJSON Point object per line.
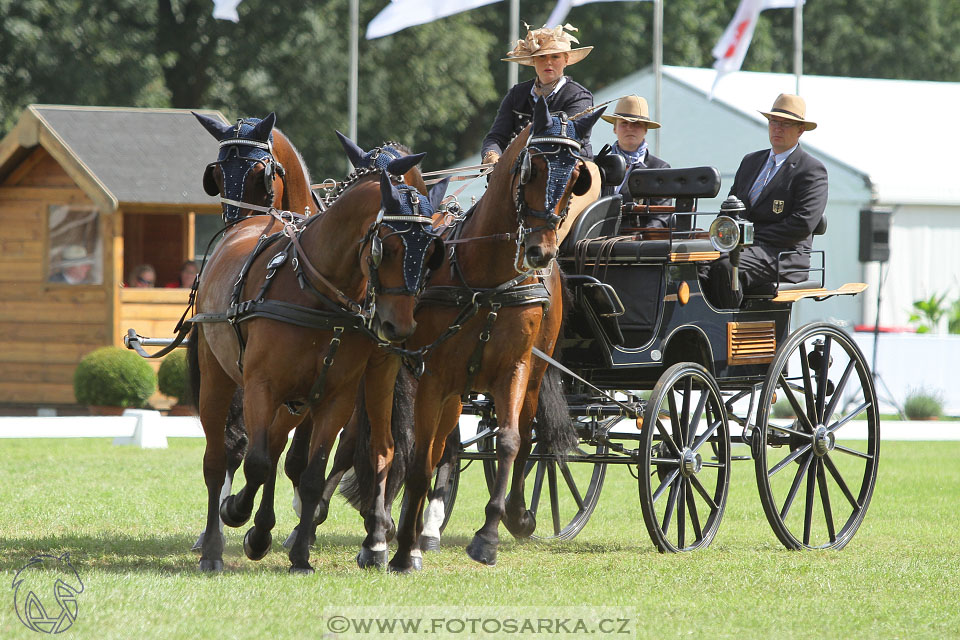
{"type": "Point", "coordinates": [779, 159]}
{"type": "Point", "coordinates": [560, 83]}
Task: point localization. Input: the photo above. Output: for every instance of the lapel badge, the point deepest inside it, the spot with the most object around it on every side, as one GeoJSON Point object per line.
{"type": "Point", "coordinates": [778, 206]}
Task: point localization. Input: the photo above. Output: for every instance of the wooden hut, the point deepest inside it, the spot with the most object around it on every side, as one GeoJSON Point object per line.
{"type": "Point", "coordinates": [86, 195]}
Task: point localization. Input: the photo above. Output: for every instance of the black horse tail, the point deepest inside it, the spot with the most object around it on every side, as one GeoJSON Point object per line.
{"type": "Point", "coordinates": [556, 432]}
{"type": "Point", "coordinates": [359, 487]}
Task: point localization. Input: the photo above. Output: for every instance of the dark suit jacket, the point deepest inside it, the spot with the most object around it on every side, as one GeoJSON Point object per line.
{"type": "Point", "coordinates": [789, 207]}
{"type": "Point", "coordinates": [516, 112]}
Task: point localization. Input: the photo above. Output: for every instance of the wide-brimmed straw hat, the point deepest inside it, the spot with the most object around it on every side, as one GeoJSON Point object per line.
{"type": "Point", "coordinates": [790, 107]}
{"type": "Point", "coordinates": [632, 109]}
{"type": "Point", "coordinates": [73, 255]}
{"type": "Point", "coordinates": [544, 41]}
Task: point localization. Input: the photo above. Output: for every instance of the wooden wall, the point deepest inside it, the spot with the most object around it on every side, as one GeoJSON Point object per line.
{"type": "Point", "coordinates": [44, 328]}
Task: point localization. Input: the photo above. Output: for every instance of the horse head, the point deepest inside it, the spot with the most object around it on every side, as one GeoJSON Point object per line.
{"type": "Point", "coordinates": [545, 173]}
{"type": "Point", "coordinates": [398, 249]}
{"type": "Point", "coordinates": [380, 158]}
{"type": "Point", "coordinates": [246, 174]}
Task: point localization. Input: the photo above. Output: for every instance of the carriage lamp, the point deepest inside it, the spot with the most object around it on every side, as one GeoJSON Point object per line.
{"type": "Point", "coordinates": [729, 232]}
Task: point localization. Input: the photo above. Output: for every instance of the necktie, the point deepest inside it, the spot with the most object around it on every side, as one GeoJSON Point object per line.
{"type": "Point", "coordinates": [761, 181]}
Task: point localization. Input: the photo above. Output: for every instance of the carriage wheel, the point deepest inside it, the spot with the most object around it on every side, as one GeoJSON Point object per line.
{"type": "Point", "coordinates": [563, 489]}
{"type": "Point", "coordinates": [453, 484]}
{"type": "Point", "coordinates": [815, 473]}
{"type": "Point", "coordinates": [683, 483]}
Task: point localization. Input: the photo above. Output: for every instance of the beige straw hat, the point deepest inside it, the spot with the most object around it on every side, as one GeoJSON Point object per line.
{"type": "Point", "coordinates": [632, 109]}
{"type": "Point", "coordinates": [790, 107]}
{"type": "Point", "coordinates": [544, 41]}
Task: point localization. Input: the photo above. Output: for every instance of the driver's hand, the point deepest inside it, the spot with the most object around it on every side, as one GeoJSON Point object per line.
{"type": "Point", "coordinates": [490, 157]}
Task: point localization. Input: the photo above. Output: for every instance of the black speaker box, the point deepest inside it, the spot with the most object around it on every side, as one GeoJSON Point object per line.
{"type": "Point", "coordinates": [875, 235]}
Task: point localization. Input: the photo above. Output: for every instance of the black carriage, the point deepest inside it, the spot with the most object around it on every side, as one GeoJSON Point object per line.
{"type": "Point", "coordinates": [660, 380]}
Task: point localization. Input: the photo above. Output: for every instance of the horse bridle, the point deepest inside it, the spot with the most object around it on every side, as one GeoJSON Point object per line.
{"type": "Point", "coordinates": [230, 152]}
{"type": "Point", "coordinates": [414, 261]}
{"type": "Point", "coordinates": [565, 152]}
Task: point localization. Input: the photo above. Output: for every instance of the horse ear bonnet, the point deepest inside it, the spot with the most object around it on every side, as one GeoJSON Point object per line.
{"type": "Point", "coordinates": [437, 192]}
{"type": "Point", "coordinates": [541, 117]}
{"type": "Point", "coordinates": [354, 153]}
{"type": "Point", "coordinates": [585, 124]}
{"type": "Point", "coordinates": [263, 128]}
{"type": "Point", "coordinates": [401, 165]}
{"type": "Point", "coordinates": [217, 129]}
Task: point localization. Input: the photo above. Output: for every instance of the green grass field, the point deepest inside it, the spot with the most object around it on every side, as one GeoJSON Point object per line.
{"type": "Point", "coordinates": [128, 517]}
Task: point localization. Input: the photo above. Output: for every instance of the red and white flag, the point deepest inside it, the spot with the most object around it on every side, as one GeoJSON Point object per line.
{"type": "Point", "coordinates": [732, 47]}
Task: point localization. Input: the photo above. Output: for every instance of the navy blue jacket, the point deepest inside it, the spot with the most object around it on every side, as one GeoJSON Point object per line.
{"type": "Point", "coordinates": [516, 112]}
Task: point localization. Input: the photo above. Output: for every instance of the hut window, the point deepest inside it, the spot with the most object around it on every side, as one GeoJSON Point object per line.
{"type": "Point", "coordinates": [76, 249]}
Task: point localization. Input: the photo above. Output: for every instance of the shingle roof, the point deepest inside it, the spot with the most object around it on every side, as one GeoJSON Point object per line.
{"type": "Point", "coordinates": [139, 155]}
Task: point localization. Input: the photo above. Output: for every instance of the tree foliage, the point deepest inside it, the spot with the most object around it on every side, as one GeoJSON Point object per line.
{"type": "Point", "coordinates": [434, 87]}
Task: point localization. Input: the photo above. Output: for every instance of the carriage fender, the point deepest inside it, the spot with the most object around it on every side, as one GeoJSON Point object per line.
{"type": "Point", "coordinates": [688, 343]}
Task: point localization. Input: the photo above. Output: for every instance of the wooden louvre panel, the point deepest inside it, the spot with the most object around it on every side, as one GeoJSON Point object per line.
{"type": "Point", "coordinates": [751, 342]}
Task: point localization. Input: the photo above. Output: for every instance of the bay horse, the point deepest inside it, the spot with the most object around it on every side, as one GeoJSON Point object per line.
{"type": "Point", "coordinates": [296, 318]}
{"type": "Point", "coordinates": [484, 310]}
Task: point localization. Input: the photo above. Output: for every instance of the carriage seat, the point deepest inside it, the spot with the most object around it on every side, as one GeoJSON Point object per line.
{"type": "Point", "coordinates": [771, 289]}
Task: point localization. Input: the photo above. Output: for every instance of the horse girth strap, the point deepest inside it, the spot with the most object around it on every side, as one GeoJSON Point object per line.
{"type": "Point", "coordinates": [516, 296]}
{"type": "Point", "coordinates": [289, 313]}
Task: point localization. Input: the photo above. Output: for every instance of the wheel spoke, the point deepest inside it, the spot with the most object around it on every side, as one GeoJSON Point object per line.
{"type": "Point", "coordinates": [671, 506]}
{"type": "Point", "coordinates": [850, 416]}
{"type": "Point", "coordinates": [675, 424]}
{"type": "Point", "coordinates": [694, 518]}
{"type": "Point", "coordinates": [703, 493]}
{"type": "Point", "coordinates": [853, 452]}
{"type": "Point", "coordinates": [796, 453]}
{"type": "Point", "coordinates": [807, 383]}
{"type": "Point", "coordinates": [668, 439]}
{"type": "Point", "coordinates": [695, 421]}
{"type": "Point", "coordinates": [832, 468]}
{"type": "Point", "coordinates": [537, 488]}
{"type": "Point", "coordinates": [685, 411]}
{"type": "Point", "coordinates": [822, 380]}
{"type": "Point", "coordinates": [682, 514]}
{"type": "Point", "coordinates": [663, 485]}
{"type": "Point", "coordinates": [838, 390]}
{"type": "Point", "coordinates": [825, 500]}
{"type": "Point", "coordinates": [801, 469]}
{"type": "Point", "coordinates": [554, 502]}
{"type": "Point", "coordinates": [568, 478]}
{"type": "Point", "coordinates": [706, 435]}
{"type": "Point", "coordinates": [793, 432]}
{"type": "Point", "coordinates": [808, 505]}
{"type": "Point", "coordinates": [797, 409]}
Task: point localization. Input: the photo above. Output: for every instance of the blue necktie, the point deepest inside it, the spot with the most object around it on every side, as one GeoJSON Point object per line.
{"type": "Point", "coordinates": [761, 181]}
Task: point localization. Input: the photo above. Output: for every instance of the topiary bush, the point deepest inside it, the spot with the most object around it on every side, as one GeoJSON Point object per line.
{"type": "Point", "coordinates": [923, 405]}
{"type": "Point", "coordinates": [173, 377]}
{"type": "Point", "coordinates": [113, 377]}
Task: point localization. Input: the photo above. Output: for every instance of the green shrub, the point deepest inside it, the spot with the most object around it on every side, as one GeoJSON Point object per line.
{"type": "Point", "coordinates": [921, 404]}
{"type": "Point", "coordinates": [783, 409]}
{"type": "Point", "coordinates": [113, 377]}
{"type": "Point", "coordinates": [173, 377]}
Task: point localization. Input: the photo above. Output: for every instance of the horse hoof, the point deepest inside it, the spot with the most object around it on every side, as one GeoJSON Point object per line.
{"type": "Point", "coordinates": [416, 563]}
{"type": "Point", "coordinates": [401, 570]}
{"type": "Point", "coordinates": [229, 516]}
{"type": "Point", "coordinates": [211, 566]}
{"type": "Point", "coordinates": [253, 549]}
{"type": "Point", "coordinates": [301, 571]}
{"type": "Point", "coordinates": [367, 559]}
{"type": "Point", "coordinates": [292, 538]}
{"type": "Point", "coordinates": [429, 543]}
{"type": "Point", "coordinates": [523, 527]}
{"type": "Point", "coordinates": [482, 551]}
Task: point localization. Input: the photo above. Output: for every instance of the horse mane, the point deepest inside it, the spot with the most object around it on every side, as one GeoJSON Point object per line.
{"type": "Point", "coordinates": [296, 152]}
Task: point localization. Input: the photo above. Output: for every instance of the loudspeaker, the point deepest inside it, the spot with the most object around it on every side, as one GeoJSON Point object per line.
{"type": "Point", "coordinates": [875, 234]}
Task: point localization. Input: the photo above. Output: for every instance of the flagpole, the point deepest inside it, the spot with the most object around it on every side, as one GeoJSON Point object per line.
{"type": "Point", "coordinates": [798, 43]}
{"type": "Point", "coordinates": [657, 64]}
{"type": "Point", "coordinates": [354, 66]}
{"type": "Point", "coordinates": [513, 69]}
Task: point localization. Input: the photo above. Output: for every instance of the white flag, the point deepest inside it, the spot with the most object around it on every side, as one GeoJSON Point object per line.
{"type": "Point", "coordinates": [226, 10]}
{"type": "Point", "coordinates": [400, 14]}
{"type": "Point", "coordinates": [559, 13]}
{"type": "Point", "coordinates": [732, 47]}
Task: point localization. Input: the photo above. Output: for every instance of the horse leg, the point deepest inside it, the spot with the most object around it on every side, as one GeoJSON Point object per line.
{"type": "Point", "coordinates": [379, 377]}
{"type": "Point", "coordinates": [259, 410]}
{"type": "Point", "coordinates": [257, 541]}
{"type": "Point", "coordinates": [293, 466]}
{"type": "Point", "coordinates": [216, 389]}
{"type": "Point", "coordinates": [483, 547]}
{"type": "Point", "coordinates": [327, 420]}
{"type": "Point", "coordinates": [434, 514]}
{"type": "Point", "coordinates": [428, 411]}
{"type": "Point", "coordinates": [236, 447]}
{"type": "Point", "coordinates": [519, 520]}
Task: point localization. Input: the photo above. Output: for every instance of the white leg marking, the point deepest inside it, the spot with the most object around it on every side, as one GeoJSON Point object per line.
{"type": "Point", "coordinates": [433, 518]}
